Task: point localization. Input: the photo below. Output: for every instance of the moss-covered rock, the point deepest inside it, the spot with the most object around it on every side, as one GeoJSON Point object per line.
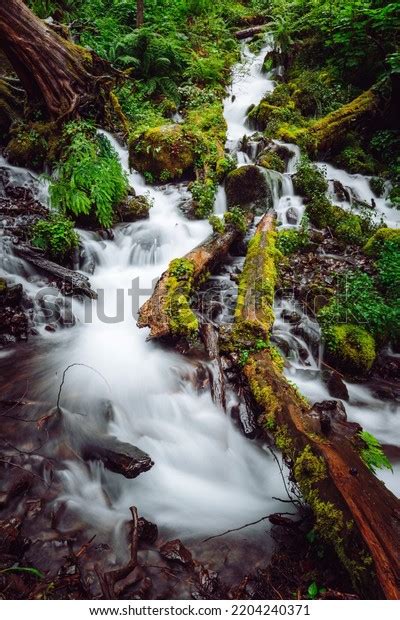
{"type": "Point", "coordinates": [272, 161]}
{"type": "Point", "coordinates": [350, 348]}
{"type": "Point", "coordinates": [165, 153]}
{"type": "Point", "coordinates": [375, 243]}
{"type": "Point", "coordinates": [182, 320]}
{"type": "Point", "coordinates": [134, 208]}
{"type": "Point", "coordinates": [31, 145]}
{"type": "Point", "coordinates": [247, 187]}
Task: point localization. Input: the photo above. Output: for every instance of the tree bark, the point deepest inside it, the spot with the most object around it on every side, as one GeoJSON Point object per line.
{"type": "Point", "coordinates": [62, 76]}
{"type": "Point", "coordinates": [139, 13]}
{"type": "Point", "coordinates": [250, 32]}
{"type": "Point", "coordinates": [353, 509]}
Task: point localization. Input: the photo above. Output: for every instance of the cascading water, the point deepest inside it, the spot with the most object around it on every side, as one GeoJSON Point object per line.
{"type": "Point", "coordinates": [207, 476]}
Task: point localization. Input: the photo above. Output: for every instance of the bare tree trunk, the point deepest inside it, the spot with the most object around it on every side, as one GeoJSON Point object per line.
{"type": "Point", "coordinates": [62, 76]}
{"type": "Point", "coordinates": [139, 13]}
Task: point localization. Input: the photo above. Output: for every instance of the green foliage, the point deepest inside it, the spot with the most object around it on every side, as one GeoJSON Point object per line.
{"type": "Point", "coordinates": [28, 570]}
{"type": "Point", "coordinates": [351, 346]}
{"type": "Point", "coordinates": [292, 240]}
{"type": "Point", "coordinates": [203, 193]}
{"type": "Point", "coordinates": [217, 224]}
{"type": "Point", "coordinates": [56, 235]}
{"type": "Point", "coordinates": [359, 302]}
{"type": "Point", "coordinates": [373, 455]}
{"type": "Point", "coordinates": [89, 178]}
{"type": "Point", "coordinates": [309, 180]}
{"type": "Point", "coordinates": [236, 218]}
{"type": "Point", "coordinates": [388, 267]}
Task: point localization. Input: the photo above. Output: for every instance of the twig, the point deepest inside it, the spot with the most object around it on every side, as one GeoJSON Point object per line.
{"type": "Point", "coordinates": [236, 529]}
{"type": "Point", "coordinates": [63, 379]}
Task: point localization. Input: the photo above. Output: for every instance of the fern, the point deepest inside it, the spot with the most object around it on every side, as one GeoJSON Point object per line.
{"type": "Point", "coordinates": [90, 177]}
{"type": "Point", "coordinates": [373, 455]}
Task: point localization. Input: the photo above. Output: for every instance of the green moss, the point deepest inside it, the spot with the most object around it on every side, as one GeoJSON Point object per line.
{"type": "Point", "coordinates": [135, 208]}
{"type": "Point", "coordinates": [356, 160]}
{"type": "Point", "coordinates": [351, 347]}
{"type": "Point", "coordinates": [32, 144]}
{"type": "Point", "coordinates": [259, 277]}
{"type": "Point", "coordinates": [182, 320]}
{"type": "Point", "coordinates": [375, 244]}
{"type": "Point", "coordinates": [167, 152]}
{"type": "Point", "coordinates": [284, 442]}
{"type": "Point", "coordinates": [217, 224]}
{"type": "Point", "coordinates": [272, 161]}
{"type": "Point", "coordinates": [308, 469]}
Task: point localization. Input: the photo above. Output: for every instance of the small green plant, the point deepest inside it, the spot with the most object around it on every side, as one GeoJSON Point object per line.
{"type": "Point", "coordinates": [313, 590]}
{"type": "Point", "coordinates": [373, 455]}
{"type": "Point", "coordinates": [235, 217]}
{"type": "Point", "coordinates": [217, 224]}
{"type": "Point", "coordinates": [56, 236]}
{"type": "Point", "coordinates": [203, 193]}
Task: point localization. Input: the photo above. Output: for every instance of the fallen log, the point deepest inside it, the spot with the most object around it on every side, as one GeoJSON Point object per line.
{"type": "Point", "coordinates": [168, 312]}
{"type": "Point", "coordinates": [353, 510]}
{"type": "Point", "coordinates": [328, 133]}
{"type": "Point", "coordinates": [75, 283]}
{"type": "Point", "coordinates": [246, 33]}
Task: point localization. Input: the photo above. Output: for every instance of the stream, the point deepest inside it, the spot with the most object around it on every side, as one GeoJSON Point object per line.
{"type": "Point", "coordinates": [207, 476]}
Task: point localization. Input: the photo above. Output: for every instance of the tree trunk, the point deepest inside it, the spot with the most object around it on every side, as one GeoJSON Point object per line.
{"type": "Point", "coordinates": [62, 76]}
{"type": "Point", "coordinates": [354, 511]}
{"type": "Point", "coordinates": [139, 13]}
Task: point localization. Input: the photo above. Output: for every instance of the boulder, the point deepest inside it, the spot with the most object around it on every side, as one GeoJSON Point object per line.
{"type": "Point", "coordinates": [350, 348]}
{"type": "Point", "coordinates": [247, 187]}
{"type": "Point", "coordinates": [134, 208]}
{"type": "Point", "coordinates": [165, 153]}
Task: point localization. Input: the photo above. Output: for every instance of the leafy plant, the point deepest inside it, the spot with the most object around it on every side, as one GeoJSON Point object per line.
{"type": "Point", "coordinates": [89, 178]}
{"type": "Point", "coordinates": [56, 235]}
{"type": "Point", "coordinates": [373, 455]}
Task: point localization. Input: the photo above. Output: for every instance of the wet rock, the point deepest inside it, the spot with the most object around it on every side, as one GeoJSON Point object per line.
{"type": "Point", "coordinates": [147, 531]}
{"type": "Point", "coordinates": [341, 192]}
{"type": "Point", "coordinates": [208, 585]}
{"type": "Point", "coordinates": [175, 551]}
{"type": "Point", "coordinates": [335, 384]}
{"type": "Point", "coordinates": [134, 208]}
{"type": "Point", "coordinates": [246, 417]}
{"type": "Point", "coordinates": [291, 216]}
{"type": "Point", "coordinates": [291, 316]}
{"type": "Point", "coordinates": [247, 188]}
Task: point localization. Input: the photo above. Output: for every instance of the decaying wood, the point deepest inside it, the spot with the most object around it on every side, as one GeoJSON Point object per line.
{"type": "Point", "coordinates": [210, 339]}
{"type": "Point", "coordinates": [204, 257]}
{"type": "Point", "coordinates": [250, 32]}
{"type": "Point", "coordinates": [63, 76]}
{"type": "Point", "coordinates": [76, 283]}
{"type": "Point", "coordinates": [347, 489]}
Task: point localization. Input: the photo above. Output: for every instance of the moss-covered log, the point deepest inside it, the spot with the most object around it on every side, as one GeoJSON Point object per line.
{"type": "Point", "coordinates": [327, 134]}
{"type": "Point", "coordinates": [65, 78]}
{"type": "Point", "coordinates": [354, 511]}
{"type": "Point", "coordinates": [168, 312]}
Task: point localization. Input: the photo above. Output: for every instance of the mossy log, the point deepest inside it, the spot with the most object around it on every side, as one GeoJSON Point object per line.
{"type": "Point", "coordinates": [168, 312]}
{"type": "Point", "coordinates": [354, 511]}
{"type": "Point", "coordinates": [327, 134]}
{"type": "Point", "coordinates": [65, 78]}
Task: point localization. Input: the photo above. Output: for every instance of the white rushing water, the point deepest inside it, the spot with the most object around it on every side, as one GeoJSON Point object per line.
{"type": "Point", "coordinates": [207, 476]}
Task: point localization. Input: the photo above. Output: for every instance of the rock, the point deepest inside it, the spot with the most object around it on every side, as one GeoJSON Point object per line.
{"type": "Point", "coordinates": [175, 551]}
{"type": "Point", "coordinates": [291, 216]}
{"type": "Point", "coordinates": [147, 531]}
{"type": "Point", "coordinates": [350, 348]}
{"type": "Point", "coordinates": [246, 417]}
{"type": "Point", "coordinates": [342, 193]}
{"type": "Point", "coordinates": [335, 384]}
{"type": "Point", "coordinates": [247, 187]}
{"type": "Point", "coordinates": [165, 153]}
{"type": "Point", "coordinates": [134, 208]}
{"type": "Point", "coordinates": [291, 316]}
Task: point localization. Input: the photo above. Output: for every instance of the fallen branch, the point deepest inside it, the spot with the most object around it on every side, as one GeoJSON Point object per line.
{"type": "Point", "coordinates": [75, 283]}
{"type": "Point", "coordinates": [248, 33]}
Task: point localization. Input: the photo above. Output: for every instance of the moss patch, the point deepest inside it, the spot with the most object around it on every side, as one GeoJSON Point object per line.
{"type": "Point", "coordinates": [247, 187]}
{"type": "Point", "coordinates": [350, 347]}
{"type": "Point", "coordinates": [182, 320]}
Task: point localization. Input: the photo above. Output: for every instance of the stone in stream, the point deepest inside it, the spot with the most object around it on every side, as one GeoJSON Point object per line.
{"type": "Point", "coordinates": [175, 550]}
{"type": "Point", "coordinates": [247, 187]}
{"type": "Point", "coordinates": [335, 384]}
